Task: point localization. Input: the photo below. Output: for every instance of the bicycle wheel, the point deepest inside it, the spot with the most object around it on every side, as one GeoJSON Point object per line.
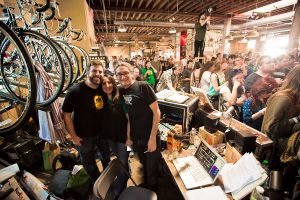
{"type": "Point", "coordinates": [73, 58]}
{"type": "Point", "coordinates": [44, 53]}
{"type": "Point", "coordinates": [67, 66]}
{"type": "Point", "coordinates": [17, 71]}
{"type": "Point", "coordinates": [84, 58]}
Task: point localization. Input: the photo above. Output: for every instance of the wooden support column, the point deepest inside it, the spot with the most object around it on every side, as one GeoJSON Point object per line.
{"type": "Point", "coordinates": [295, 31]}
{"type": "Point", "coordinates": [226, 31]}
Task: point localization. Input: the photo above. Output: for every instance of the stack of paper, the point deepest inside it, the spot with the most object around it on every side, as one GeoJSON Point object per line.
{"type": "Point", "coordinates": [177, 98]}
{"type": "Point", "coordinates": [173, 96]}
{"type": "Point", "coordinates": [164, 94]}
{"type": "Point", "coordinates": [245, 171]}
{"type": "Point", "coordinates": [207, 193]}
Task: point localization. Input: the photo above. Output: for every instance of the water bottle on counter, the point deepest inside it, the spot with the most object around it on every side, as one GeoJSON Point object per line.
{"type": "Point", "coordinates": [257, 193]}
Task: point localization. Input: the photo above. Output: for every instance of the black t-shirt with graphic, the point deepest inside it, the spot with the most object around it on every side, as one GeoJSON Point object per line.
{"type": "Point", "coordinates": [87, 107]}
{"type": "Point", "coordinates": [138, 98]}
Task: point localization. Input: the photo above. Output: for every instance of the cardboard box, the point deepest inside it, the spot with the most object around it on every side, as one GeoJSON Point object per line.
{"type": "Point", "coordinates": [211, 139]}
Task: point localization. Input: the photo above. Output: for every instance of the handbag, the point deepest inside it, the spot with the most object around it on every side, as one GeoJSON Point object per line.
{"type": "Point", "coordinates": [79, 183]}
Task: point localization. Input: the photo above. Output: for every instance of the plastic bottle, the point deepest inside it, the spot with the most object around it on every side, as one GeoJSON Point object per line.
{"type": "Point", "coordinates": [193, 133]}
{"type": "Point", "coordinates": [257, 193]}
{"type": "Point", "coordinates": [265, 166]}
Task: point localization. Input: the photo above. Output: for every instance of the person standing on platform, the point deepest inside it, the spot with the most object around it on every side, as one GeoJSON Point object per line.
{"type": "Point", "coordinates": [201, 27]}
{"type": "Point", "coordinates": [144, 117]}
{"type": "Point", "coordinates": [85, 101]}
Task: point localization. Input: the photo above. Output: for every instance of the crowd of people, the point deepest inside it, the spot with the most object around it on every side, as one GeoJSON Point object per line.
{"type": "Point", "coordinates": [264, 93]}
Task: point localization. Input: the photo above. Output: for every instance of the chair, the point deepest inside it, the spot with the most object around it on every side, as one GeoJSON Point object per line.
{"type": "Point", "coordinates": [107, 178]}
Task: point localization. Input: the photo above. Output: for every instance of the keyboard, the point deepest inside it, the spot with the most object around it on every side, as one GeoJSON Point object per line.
{"type": "Point", "coordinates": [198, 173]}
{"type": "Point", "coordinates": [191, 168]}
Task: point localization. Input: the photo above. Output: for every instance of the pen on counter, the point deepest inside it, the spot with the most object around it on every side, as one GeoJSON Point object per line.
{"type": "Point", "coordinates": [146, 151]}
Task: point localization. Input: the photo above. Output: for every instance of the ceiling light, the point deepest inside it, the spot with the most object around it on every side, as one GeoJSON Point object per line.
{"type": "Point", "coordinates": [121, 28]}
{"type": "Point", "coordinates": [244, 40]}
{"type": "Point", "coordinates": [253, 33]}
{"type": "Point", "coordinates": [172, 30]}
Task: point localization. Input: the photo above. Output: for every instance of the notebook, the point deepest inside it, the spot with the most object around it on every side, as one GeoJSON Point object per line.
{"type": "Point", "coordinates": [199, 170]}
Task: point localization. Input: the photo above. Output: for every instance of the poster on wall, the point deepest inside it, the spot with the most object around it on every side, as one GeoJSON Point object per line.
{"type": "Point", "coordinates": [213, 42]}
{"type": "Point", "coordinates": [189, 42]}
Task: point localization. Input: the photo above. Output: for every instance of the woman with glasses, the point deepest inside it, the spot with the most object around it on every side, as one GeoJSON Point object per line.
{"type": "Point", "coordinates": [115, 126]}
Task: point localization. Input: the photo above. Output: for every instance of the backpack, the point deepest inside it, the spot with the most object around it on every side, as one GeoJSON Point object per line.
{"type": "Point", "coordinates": [67, 160]}
{"type": "Point", "coordinates": [290, 153]}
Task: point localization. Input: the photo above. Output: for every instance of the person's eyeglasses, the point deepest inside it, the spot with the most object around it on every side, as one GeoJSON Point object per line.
{"type": "Point", "coordinates": [120, 74]}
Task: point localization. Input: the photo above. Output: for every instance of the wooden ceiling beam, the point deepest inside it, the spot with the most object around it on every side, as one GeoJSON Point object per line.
{"type": "Point", "coordinates": [132, 3]}
{"type": "Point", "coordinates": [162, 4]}
{"type": "Point", "coordinates": [139, 16]}
{"type": "Point", "coordinates": [133, 16]}
{"type": "Point", "coordinates": [125, 3]}
{"type": "Point", "coordinates": [117, 2]}
{"type": "Point", "coordinates": [141, 1]}
{"type": "Point", "coordinates": [162, 12]}
{"type": "Point", "coordinates": [192, 5]}
{"type": "Point", "coordinates": [174, 8]}
{"type": "Point", "coordinates": [245, 6]}
{"type": "Point", "coordinates": [148, 3]}
{"type": "Point", "coordinates": [155, 4]}
{"type": "Point", "coordinates": [145, 16]}
{"type": "Point", "coordinates": [127, 17]}
{"type": "Point", "coordinates": [186, 3]}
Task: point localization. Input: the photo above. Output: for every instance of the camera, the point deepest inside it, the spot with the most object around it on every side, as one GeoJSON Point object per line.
{"type": "Point", "coordinates": [211, 9]}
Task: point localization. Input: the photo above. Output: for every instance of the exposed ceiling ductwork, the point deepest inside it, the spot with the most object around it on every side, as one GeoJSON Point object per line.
{"type": "Point", "coordinates": [249, 25]}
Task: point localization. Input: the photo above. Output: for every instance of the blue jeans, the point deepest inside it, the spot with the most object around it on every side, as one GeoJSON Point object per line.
{"type": "Point", "coordinates": [87, 155]}
{"type": "Point", "coordinates": [120, 150]}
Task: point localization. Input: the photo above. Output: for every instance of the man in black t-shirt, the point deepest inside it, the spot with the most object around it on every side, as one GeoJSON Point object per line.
{"type": "Point", "coordinates": [144, 117]}
{"type": "Point", "coordinates": [85, 101]}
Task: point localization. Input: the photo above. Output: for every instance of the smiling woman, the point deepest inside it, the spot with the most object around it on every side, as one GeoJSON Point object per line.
{"type": "Point", "coordinates": [115, 124]}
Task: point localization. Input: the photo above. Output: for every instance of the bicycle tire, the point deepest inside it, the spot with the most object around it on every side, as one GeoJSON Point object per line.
{"type": "Point", "coordinates": [67, 66]}
{"type": "Point", "coordinates": [56, 61]}
{"type": "Point", "coordinates": [72, 57]}
{"type": "Point", "coordinates": [43, 7]}
{"type": "Point", "coordinates": [31, 98]}
{"type": "Point", "coordinates": [85, 61]}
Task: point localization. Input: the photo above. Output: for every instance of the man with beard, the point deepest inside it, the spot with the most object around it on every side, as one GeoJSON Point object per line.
{"type": "Point", "coordinates": [85, 102]}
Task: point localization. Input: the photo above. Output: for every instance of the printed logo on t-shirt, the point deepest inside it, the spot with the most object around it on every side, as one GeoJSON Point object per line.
{"type": "Point", "coordinates": [128, 99]}
{"type": "Point", "coordinates": [98, 102]}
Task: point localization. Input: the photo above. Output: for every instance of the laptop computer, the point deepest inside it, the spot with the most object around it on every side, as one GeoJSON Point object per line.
{"type": "Point", "coordinates": [202, 169]}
